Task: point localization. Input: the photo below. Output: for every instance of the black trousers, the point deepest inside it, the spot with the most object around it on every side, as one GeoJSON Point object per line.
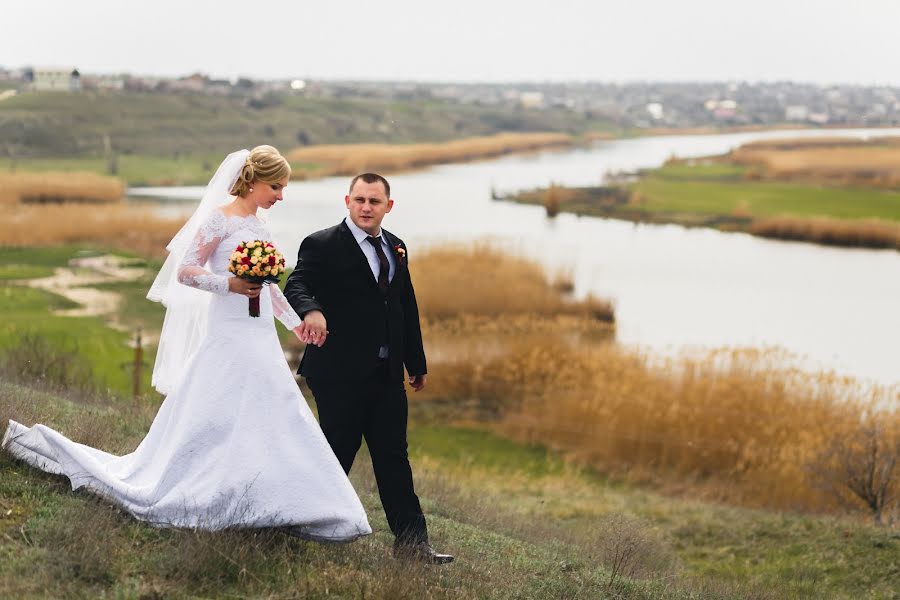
{"type": "Point", "coordinates": [374, 408]}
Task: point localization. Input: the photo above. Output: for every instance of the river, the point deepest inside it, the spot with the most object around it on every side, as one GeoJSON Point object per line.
{"type": "Point", "coordinates": [675, 288]}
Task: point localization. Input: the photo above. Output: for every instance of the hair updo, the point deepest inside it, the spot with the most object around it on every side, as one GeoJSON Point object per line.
{"type": "Point", "coordinates": [264, 164]}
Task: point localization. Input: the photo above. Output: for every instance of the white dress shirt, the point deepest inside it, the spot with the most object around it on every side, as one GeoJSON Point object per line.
{"type": "Point", "coordinates": [369, 250]}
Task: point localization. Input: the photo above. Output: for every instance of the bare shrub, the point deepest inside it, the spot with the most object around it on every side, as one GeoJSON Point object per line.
{"type": "Point", "coordinates": [738, 424]}
{"type": "Point", "coordinates": [860, 465]}
{"type": "Point", "coordinates": [629, 550]}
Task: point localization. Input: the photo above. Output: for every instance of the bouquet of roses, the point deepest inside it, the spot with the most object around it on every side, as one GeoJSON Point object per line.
{"type": "Point", "coordinates": [257, 261]}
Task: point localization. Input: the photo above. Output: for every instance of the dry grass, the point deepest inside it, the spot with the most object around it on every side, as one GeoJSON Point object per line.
{"type": "Point", "coordinates": [738, 425]}
{"type": "Point", "coordinates": [479, 280]}
{"type": "Point", "coordinates": [119, 226]}
{"type": "Point", "coordinates": [59, 188]}
{"type": "Point", "coordinates": [734, 424]}
{"type": "Point", "coordinates": [832, 161]}
{"type": "Point", "coordinates": [868, 233]}
{"type": "Point", "coordinates": [350, 159]}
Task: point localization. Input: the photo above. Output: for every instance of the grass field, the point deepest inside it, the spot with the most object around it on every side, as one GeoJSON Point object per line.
{"type": "Point", "coordinates": [718, 189]}
{"type": "Point", "coordinates": [721, 195]}
{"type": "Point", "coordinates": [48, 125]}
{"type": "Point", "coordinates": [633, 500]}
{"type": "Point", "coordinates": [103, 353]}
{"type": "Point", "coordinates": [523, 524]}
{"type": "Point", "coordinates": [135, 169]}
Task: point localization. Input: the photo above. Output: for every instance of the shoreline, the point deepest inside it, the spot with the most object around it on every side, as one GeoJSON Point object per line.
{"type": "Point", "coordinates": [614, 202]}
{"type": "Point", "coordinates": [315, 162]}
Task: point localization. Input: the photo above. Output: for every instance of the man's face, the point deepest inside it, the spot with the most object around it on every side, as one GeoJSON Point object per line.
{"type": "Point", "coordinates": [368, 203]}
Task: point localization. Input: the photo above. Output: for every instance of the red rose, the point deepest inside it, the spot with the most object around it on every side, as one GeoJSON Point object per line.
{"type": "Point", "coordinates": [272, 260]}
{"type": "Point", "coordinates": [246, 260]}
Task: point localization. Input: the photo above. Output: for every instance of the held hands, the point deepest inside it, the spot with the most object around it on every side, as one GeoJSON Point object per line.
{"type": "Point", "coordinates": [313, 329]}
{"type": "Point", "coordinates": [237, 285]}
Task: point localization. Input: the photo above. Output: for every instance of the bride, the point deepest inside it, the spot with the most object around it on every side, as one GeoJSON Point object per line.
{"type": "Point", "coordinates": [234, 444]}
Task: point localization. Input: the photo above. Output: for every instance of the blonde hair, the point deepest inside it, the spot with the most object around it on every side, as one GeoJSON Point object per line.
{"type": "Point", "coordinates": [264, 164]}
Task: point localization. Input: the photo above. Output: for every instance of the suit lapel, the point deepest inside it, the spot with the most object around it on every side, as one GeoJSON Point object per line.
{"type": "Point", "coordinates": [393, 241]}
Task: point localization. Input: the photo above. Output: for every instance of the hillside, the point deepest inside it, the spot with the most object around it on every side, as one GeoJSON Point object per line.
{"type": "Point", "coordinates": [46, 124]}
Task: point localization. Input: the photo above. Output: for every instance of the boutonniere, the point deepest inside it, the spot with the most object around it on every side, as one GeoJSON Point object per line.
{"type": "Point", "coordinates": [400, 251]}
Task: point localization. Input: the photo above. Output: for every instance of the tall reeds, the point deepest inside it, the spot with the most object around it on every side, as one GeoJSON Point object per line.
{"type": "Point", "coordinates": [119, 226]}
{"type": "Point", "coordinates": [740, 425]}
{"type": "Point", "coordinates": [831, 161]}
{"type": "Point", "coordinates": [455, 281]}
{"type": "Point", "coordinates": [867, 233]}
{"type": "Point", "coordinates": [59, 188]}
{"type": "Point", "coordinates": [351, 159]}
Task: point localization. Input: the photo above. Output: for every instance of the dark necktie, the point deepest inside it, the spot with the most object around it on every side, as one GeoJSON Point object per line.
{"type": "Point", "coordinates": [384, 265]}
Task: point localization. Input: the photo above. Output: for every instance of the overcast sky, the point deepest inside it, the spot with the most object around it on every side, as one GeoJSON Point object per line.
{"type": "Point", "coordinates": [820, 41]}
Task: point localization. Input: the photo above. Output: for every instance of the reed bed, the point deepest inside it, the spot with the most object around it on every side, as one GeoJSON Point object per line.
{"type": "Point", "coordinates": [119, 226]}
{"type": "Point", "coordinates": [866, 233]}
{"type": "Point", "coordinates": [737, 425]}
{"type": "Point", "coordinates": [507, 286]}
{"type": "Point", "coordinates": [351, 159]}
{"type": "Point", "coordinates": [745, 426]}
{"type": "Point", "coordinates": [59, 188]}
{"type": "Point", "coordinates": [831, 161]}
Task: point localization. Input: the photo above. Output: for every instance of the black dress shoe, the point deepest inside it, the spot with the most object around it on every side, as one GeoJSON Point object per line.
{"type": "Point", "coordinates": [422, 552]}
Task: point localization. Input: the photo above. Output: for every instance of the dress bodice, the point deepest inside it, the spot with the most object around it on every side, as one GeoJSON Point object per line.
{"type": "Point", "coordinates": [205, 267]}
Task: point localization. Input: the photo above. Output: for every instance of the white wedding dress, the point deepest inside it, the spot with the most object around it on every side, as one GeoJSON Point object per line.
{"type": "Point", "coordinates": [234, 444]}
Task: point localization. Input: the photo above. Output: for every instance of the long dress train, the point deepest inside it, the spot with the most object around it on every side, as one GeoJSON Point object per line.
{"type": "Point", "coordinates": [234, 444]}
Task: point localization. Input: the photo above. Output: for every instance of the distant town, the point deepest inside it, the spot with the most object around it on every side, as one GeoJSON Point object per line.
{"type": "Point", "coordinates": [628, 105]}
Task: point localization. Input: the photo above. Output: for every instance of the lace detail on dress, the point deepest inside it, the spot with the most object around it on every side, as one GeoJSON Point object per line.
{"type": "Point", "coordinates": [205, 264]}
{"type": "Point", "coordinates": [191, 272]}
{"type": "Point", "coordinates": [282, 309]}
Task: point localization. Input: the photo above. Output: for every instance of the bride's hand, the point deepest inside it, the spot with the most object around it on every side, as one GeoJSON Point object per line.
{"type": "Point", "coordinates": [237, 285]}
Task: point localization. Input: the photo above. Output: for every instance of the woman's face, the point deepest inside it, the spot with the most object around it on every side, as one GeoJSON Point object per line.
{"type": "Point", "coordinates": [265, 195]}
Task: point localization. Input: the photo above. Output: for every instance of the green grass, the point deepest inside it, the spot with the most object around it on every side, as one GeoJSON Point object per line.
{"type": "Point", "coordinates": [799, 556]}
{"type": "Point", "coordinates": [522, 523]}
{"type": "Point", "coordinates": [28, 312]}
{"type": "Point", "coordinates": [700, 172]}
{"type": "Point", "coordinates": [160, 137]}
{"type": "Point", "coordinates": [137, 170]}
{"type": "Point", "coordinates": [679, 194]}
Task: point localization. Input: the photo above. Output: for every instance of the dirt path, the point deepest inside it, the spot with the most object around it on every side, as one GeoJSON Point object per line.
{"type": "Point", "coordinates": [74, 283]}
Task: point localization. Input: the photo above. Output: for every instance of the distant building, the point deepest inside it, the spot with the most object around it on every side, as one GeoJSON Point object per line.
{"type": "Point", "coordinates": [103, 82]}
{"type": "Point", "coordinates": [722, 110]}
{"type": "Point", "coordinates": [656, 110]}
{"type": "Point", "coordinates": [531, 99]}
{"type": "Point", "coordinates": [50, 79]}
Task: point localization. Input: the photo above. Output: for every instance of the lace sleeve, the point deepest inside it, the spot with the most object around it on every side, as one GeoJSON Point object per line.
{"type": "Point", "coordinates": [191, 271]}
{"type": "Point", "coordinates": [282, 310]}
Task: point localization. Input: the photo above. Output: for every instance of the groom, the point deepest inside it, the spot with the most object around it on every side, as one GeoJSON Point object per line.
{"type": "Point", "coordinates": [352, 287]}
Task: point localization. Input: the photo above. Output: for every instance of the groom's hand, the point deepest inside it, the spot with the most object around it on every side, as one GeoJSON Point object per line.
{"type": "Point", "coordinates": [418, 382]}
{"type": "Point", "coordinates": [313, 329]}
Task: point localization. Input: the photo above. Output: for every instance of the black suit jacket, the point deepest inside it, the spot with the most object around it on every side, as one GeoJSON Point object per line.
{"type": "Point", "coordinates": [333, 275]}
